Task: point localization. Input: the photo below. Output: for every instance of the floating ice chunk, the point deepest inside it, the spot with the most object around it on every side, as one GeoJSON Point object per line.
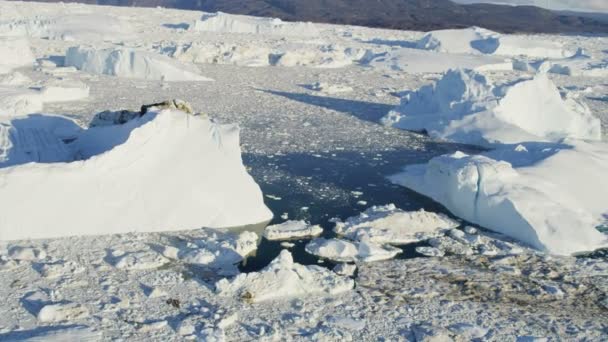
{"type": "Point", "coordinates": [346, 251]}
{"type": "Point", "coordinates": [550, 206]}
{"type": "Point", "coordinates": [173, 170]}
{"type": "Point", "coordinates": [283, 278]}
{"type": "Point", "coordinates": [430, 251]}
{"type": "Point", "coordinates": [291, 229]}
{"type": "Point", "coordinates": [388, 224]}
{"type": "Point", "coordinates": [231, 23]}
{"type": "Point", "coordinates": [26, 253]}
{"type": "Point", "coordinates": [60, 312]}
{"type": "Point", "coordinates": [344, 269]}
{"type": "Point", "coordinates": [465, 107]}
{"type": "Point", "coordinates": [141, 260]}
{"type": "Point", "coordinates": [129, 63]}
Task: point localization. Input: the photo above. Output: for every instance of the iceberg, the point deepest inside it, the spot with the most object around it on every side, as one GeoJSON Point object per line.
{"type": "Point", "coordinates": [539, 199]}
{"type": "Point", "coordinates": [464, 106]}
{"type": "Point", "coordinates": [166, 170]}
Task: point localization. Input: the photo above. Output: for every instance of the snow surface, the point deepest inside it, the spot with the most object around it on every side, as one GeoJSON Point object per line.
{"type": "Point", "coordinates": [464, 106]}
{"type": "Point", "coordinates": [130, 63]}
{"type": "Point", "coordinates": [283, 278]}
{"type": "Point", "coordinates": [388, 224]}
{"type": "Point", "coordinates": [292, 229]}
{"type": "Point", "coordinates": [171, 169]}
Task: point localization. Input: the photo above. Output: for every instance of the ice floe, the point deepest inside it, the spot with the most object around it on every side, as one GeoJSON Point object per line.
{"type": "Point", "coordinates": [351, 251]}
{"type": "Point", "coordinates": [464, 106]}
{"type": "Point", "coordinates": [292, 229]}
{"type": "Point", "coordinates": [173, 170]}
{"type": "Point", "coordinates": [283, 278]}
{"type": "Point", "coordinates": [130, 63]}
{"type": "Point", "coordinates": [232, 23]}
{"type": "Point", "coordinates": [388, 224]}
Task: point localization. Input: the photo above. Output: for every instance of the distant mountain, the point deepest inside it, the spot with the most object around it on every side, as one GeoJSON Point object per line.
{"type": "Point", "coordinates": [423, 15]}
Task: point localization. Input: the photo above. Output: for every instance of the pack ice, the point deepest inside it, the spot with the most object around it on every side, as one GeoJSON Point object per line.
{"type": "Point", "coordinates": [465, 106]}
{"type": "Point", "coordinates": [172, 170]}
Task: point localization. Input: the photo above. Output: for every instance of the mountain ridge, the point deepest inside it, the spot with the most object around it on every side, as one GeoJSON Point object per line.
{"type": "Point", "coordinates": [419, 15]}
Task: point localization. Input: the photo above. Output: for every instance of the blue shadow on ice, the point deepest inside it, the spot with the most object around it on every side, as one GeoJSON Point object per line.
{"type": "Point", "coordinates": [367, 111]}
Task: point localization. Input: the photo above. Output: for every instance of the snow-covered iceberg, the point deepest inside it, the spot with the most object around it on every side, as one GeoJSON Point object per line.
{"type": "Point", "coordinates": [166, 170]}
{"type": "Point", "coordinates": [465, 106]}
{"type": "Point", "coordinates": [130, 63]}
{"type": "Point", "coordinates": [283, 278]}
{"type": "Point", "coordinates": [232, 23]}
{"type": "Point", "coordinates": [476, 40]}
{"type": "Point", "coordinates": [551, 197]}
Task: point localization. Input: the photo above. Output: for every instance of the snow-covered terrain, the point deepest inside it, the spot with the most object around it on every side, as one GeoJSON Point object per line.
{"type": "Point", "coordinates": [142, 198]}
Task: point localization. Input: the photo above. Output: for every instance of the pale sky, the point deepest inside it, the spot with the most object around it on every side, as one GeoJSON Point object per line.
{"type": "Point", "coordinates": [572, 5]}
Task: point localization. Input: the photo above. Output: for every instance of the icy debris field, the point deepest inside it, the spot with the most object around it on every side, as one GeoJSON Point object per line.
{"type": "Point", "coordinates": [386, 224]}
